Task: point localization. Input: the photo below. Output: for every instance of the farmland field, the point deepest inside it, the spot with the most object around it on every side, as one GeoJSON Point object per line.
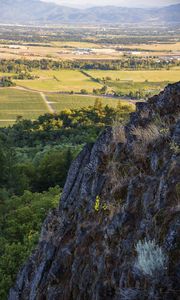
{"type": "Point", "coordinates": [15, 103]}
{"type": "Point", "coordinates": [158, 47]}
{"type": "Point", "coordinates": [63, 80]}
{"type": "Point", "coordinates": [70, 50]}
{"type": "Point", "coordinates": [74, 80]}
{"type": "Point", "coordinates": [60, 102]}
{"type": "Point", "coordinates": [139, 76]}
{"type": "Point", "coordinates": [30, 105]}
{"type": "Point", "coordinates": [127, 87]}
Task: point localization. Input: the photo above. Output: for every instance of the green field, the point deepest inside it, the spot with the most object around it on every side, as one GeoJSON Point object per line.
{"type": "Point", "coordinates": [60, 102]}
{"type": "Point", "coordinates": [126, 87]}
{"type": "Point", "coordinates": [15, 103]}
{"type": "Point", "coordinates": [3, 74]}
{"type": "Point", "coordinates": [74, 80]}
{"type": "Point", "coordinates": [63, 80]}
{"type": "Point", "coordinates": [30, 105]}
{"type": "Point", "coordinates": [139, 76]}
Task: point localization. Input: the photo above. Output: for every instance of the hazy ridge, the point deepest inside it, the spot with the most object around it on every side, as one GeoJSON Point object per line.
{"type": "Point", "coordinates": [35, 11]}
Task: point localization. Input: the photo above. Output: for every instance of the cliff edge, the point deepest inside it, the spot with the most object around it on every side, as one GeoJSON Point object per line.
{"type": "Point", "coordinates": [116, 233]}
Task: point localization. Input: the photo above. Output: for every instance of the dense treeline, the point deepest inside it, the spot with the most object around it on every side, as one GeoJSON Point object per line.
{"type": "Point", "coordinates": [118, 35]}
{"type": "Point", "coordinates": [129, 40]}
{"type": "Point", "coordinates": [6, 81]}
{"type": "Point", "coordinates": [35, 157]}
{"type": "Point", "coordinates": [129, 63]}
{"type": "Point", "coordinates": [35, 169]}
{"type": "Point", "coordinates": [76, 126]}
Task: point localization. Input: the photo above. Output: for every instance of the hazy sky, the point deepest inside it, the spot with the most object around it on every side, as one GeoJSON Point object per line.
{"type": "Point", "coordinates": [132, 3]}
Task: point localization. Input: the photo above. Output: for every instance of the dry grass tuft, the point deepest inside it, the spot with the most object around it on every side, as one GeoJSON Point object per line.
{"type": "Point", "coordinates": [118, 132]}
{"type": "Point", "coordinates": [118, 177]}
{"type": "Point", "coordinates": [146, 135]}
{"type": "Point", "coordinates": [143, 138]}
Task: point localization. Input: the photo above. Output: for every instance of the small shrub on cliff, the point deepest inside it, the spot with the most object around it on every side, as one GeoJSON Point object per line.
{"type": "Point", "coordinates": [151, 259]}
{"type": "Point", "coordinates": [146, 135]}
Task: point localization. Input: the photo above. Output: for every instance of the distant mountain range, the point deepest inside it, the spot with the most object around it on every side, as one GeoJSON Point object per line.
{"type": "Point", "coordinates": [36, 11]}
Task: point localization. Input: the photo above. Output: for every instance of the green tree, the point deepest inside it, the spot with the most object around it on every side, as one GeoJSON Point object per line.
{"type": "Point", "coordinates": [21, 219]}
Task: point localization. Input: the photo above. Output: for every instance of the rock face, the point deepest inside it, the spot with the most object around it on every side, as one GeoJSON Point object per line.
{"type": "Point", "coordinates": [123, 189]}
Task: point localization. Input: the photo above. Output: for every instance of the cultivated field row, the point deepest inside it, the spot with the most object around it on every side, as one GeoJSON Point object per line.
{"type": "Point", "coordinates": [30, 105]}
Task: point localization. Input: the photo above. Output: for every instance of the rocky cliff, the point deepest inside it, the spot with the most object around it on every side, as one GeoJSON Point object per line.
{"type": "Point", "coordinates": [116, 232]}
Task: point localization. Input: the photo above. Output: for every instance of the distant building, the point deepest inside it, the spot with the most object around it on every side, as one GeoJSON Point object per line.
{"type": "Point", "coordinates": [83, 51]}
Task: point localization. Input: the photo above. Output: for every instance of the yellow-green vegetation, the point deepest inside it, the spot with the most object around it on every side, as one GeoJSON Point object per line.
{"type": "Point", "coordinates": [6, 74]}
{"type": "Point", "coordinates": [60, 102]}
{"type": "Point", "coordinates": [61, 80]}
{"type": "Point", "coordinates": [97, 203]}
{"type": "Point", "coordinates": [139, 76]}
{"type": "Point", "coordinates": [15, 103]}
